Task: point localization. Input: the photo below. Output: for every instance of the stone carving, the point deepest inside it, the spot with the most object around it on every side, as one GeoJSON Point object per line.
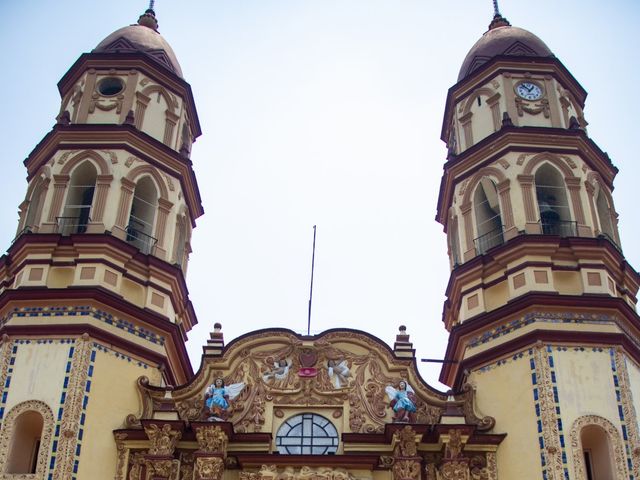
{"type": "Point", "coordinates": [629, 411]}
{"type": "Point", "coordinates": [548, 415]}
{"type": "Point", "coordinates": [617, 453]}
{"type": "Point", "coordinates": [163, 439]}
{"type": "Point", "coordinates": [270, 472]}
{"type": "Point", "coordinates": [211, 439]}
{"type": "Point", "coordinates": [129, 161]}
{"type": "Point", "coordinates": [123, 453]}
{"type": "Point", "coordinates": [186, 466]}
{"type": "Point", "coordinates": [8, 431]}
{"type": "Point", "coordinates": [65, 156]}
{"type": "Point", "coordinates": [406, 442]}
{"type": "Point", "coordinates": [70, 425]}
{"type": "Point", "coordinates": [161, 469]}
{"type": "Point", "coordinates": [454, 471]}
{"type": "Point", "coordinates": [136, 462]}
{"type": "Point", "coordinates": [191, 408]}
{"type": "Point", "coordinates": [208, 468]}
{"type": "Point", "coordinates": [454, 445]}
{"type": "Point", "coordinates": [524, 107]}
{"type": "Point", "coordinates": [406, 470]}
{"type": "Point", "coordinates": [112, 156]}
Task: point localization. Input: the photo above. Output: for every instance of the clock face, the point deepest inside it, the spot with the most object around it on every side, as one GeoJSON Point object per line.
{"type": "Point", "coordinates": [529, 91]}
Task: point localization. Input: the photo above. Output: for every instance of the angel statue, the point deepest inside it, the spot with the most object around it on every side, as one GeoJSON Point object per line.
{"type": "Point", "coordinates": [403, 402]}
{"type": "Point", "coordinates": [338, 371]}
{"type": "Point", "coordinates": [218, 396]}
{"type": "Point", "coordinates": [279, 372]}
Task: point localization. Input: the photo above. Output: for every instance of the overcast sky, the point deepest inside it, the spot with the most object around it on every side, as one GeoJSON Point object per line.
{"type": "Point", "coordinates": [327, 113]}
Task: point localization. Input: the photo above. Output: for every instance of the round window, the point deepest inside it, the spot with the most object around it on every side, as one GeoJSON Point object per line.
{"type": "Point", "coordinates": [110, 86]}
{"type": "Point", "coordinates": [307, 434]}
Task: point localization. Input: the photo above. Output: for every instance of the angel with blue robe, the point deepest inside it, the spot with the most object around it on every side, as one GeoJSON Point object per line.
{"type": "Point", "coordinates": [403, 402]}
{"type": "Point", "coordinates": [218, 396]}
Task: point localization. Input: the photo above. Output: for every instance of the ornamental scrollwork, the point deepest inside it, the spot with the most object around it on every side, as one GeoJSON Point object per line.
{"type": "Point", "coordinates": [163, 439]}
{"type": "Point", "coordinates": [211, 439]}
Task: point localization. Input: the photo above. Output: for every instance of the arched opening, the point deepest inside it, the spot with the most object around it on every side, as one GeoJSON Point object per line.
{"type": "Point", "coordinates": [77, 210]}
{"type": "Point", "coordinates": [25, 445]}
{"type": "Point", "coordinates": [35, 208]}
{"type": "Point", "coordinates": [487, 214]}
{"type": "Point", "coordinates": [454, 244]}
{"type": "Point", "coordinates": [604, 216]}
{"type": "Point", "coordinates": [181, 238]}
{"type": "Point", "coordinates": [142, 215]}
{"type": "Point", "coordinates": [553, 206]}
{"type": "Point", "coordinates": [597, 453]}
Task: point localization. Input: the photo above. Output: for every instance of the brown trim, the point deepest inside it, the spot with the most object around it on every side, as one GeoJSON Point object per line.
{"type": "Point", "coordinates": [526, 302]}
{"type": "Point", "coordinates": [505, 140]}
{"type": "Point", "coordinates": [113, 136]}
{"type": "Point", "coordinates": [481, 261]}
{"type": "Point", "coordinates": [174, 332]}
{"type": "Point", "coordinates": [547, 337]}
{"type": "Point", "coordinates": [55, 240]}
{"type": "Point", "coordinates": [76, 330]}
{"type": "Point", "coordinates": [141, 63]}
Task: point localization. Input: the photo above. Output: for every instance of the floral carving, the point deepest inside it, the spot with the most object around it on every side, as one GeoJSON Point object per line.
{"type": "Point", "coordinates": [123, 453]}
{"type": "Point", "coordinates": [161, 469]}
{"type": "Point", "coordinates": [548, 415]}
{"type": "Point", "coordinates": [455, 470]}
{"type": "Point", "coordinates": [211, 439]}
{"type": "Point", "coordinates": [629, 412]}
{"type": "Point", "coordinates": [454, 445]}
{"type": "Point", "coordinates": [406, 470]}
{"type": "Point", "coordinates": [70, 425]}
{"type": "Point", "coordinates": [209, 468]}
{"type": "Point", "coordinates": [163, 439]}
{"type": "Point", "coordinates": [406, 442]}
{"type": "Point", "coordinates": [191, 408]}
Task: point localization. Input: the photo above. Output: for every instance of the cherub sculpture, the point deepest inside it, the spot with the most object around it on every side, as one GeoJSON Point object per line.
{"type": "Point", "coordinates": [403, 402]}
{"type": "Point", "coordinates": [218, 396]}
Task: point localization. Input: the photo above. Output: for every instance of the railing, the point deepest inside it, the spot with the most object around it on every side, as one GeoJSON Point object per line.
{"type": "Point", "coordinates": [141, 240]}
{"type": "Point", "coordinates": [27, 229]}
{"type": "Point", "coordinates": [71, 225]}
{"type": "Point", "coordinates": [489, 240]}
{"type": "Point", "coordinates": [562, 228]}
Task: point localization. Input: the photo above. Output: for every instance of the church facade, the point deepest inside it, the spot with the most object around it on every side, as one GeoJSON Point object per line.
{"type": "Point", "coordinates": [543, 359]}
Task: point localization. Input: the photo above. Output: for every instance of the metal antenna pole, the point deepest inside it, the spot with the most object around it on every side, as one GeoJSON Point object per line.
{"type": "Point", "coordinates": [151, 3]}
{"type": "Point", "coordinates": [313, 261]}
{"type": "Point", "coordinates": [496, 10]}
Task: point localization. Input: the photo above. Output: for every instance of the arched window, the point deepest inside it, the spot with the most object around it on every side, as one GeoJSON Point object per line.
{"type": "Point", "coordinates": [307, 434]}
{"type": "Point", "coordinates": [597, 453]}
{"type": "Point", "coordinates": [487, 214]}
{"type": "Point", "coordinates": [77, 210]}
{"type": "Point", "coordinates": [142, 215]}
{"type": "Point", "coordinates": [34, 207]}
{"type": "Point", "coordinates": [180, 240]}
{"type": "Point", "coordinates": [553, 206]}
{"type": "Point", "coordinates": [454, 243]}
{"type": "Point", "coordinates": [604, 216]}
{"type": "Point", "coordinates": [25, 445]}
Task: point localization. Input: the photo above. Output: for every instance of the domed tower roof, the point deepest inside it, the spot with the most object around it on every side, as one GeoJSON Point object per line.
{"type": "Point", "coordinates": [142, 37]}
{"type": "Point", "coordinates": [502, 39]}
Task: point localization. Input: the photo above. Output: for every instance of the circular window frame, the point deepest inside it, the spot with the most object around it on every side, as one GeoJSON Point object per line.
{"type": "Point", "coordinates": [114, 80]}
{"type": "Point", "coordinates": [307, 434]}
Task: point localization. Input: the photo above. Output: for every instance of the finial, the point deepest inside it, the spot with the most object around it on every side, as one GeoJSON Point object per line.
{"type": "Point", "coordinates": [148, 18]}
{"type": "Point", "coordinates": [498, 19]}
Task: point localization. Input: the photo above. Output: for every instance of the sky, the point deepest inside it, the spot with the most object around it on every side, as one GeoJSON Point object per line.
{"type": "Point", "coordinates": [322, 113]}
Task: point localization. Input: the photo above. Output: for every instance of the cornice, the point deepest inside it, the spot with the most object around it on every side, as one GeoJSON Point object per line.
{"type": "Point", "coordinates": [130, 256]}
{"type": "Point", "coordinates": [126, 137]}
{"type": "Point", "coordinates": [173, 331]}
{"type": "Point", "coordinates": [536, 301]}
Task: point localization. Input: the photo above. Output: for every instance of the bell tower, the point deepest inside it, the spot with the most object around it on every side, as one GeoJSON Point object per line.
{"type": "Point", "coordinates": [541, 303]}
{"type": "Point", "coordinates": [93, 293]}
